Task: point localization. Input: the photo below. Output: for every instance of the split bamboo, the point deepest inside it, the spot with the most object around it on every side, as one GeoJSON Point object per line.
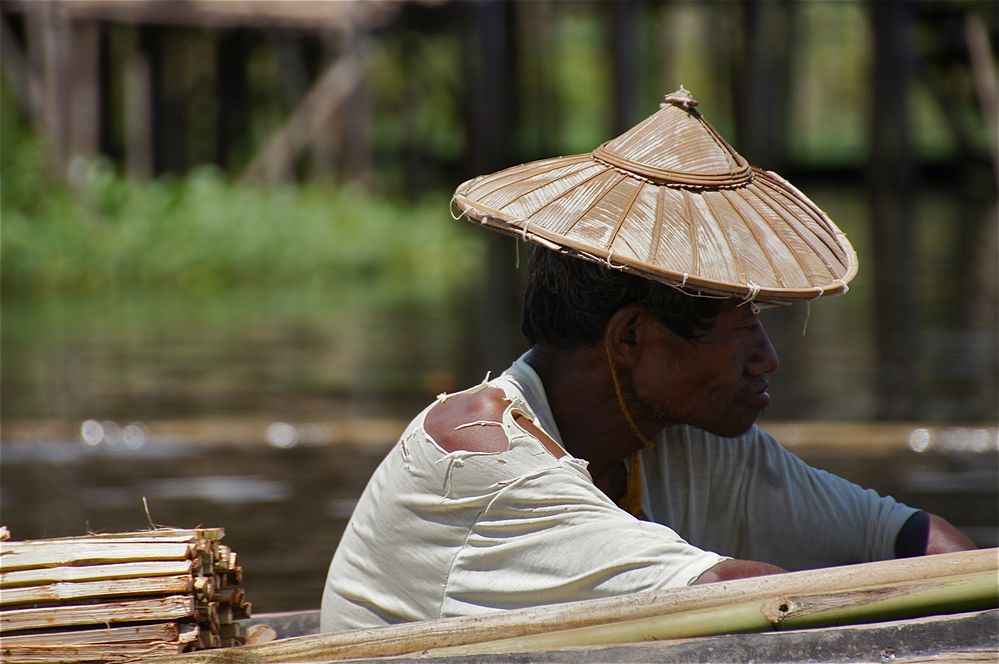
{"type": "Point", "coordinates": [118, 596]}
{"type": "Point", "coordinates": [765, 612]}
{"type": "Point", "coordinates": [41, 553]}
{"type": "Point", "coordinates": [866, 593]}
{"type": "Point", "coordinates": [150, 632]}
{"type": "Point", "coordinates": [91, 652]}
{"type": "Point", "coordinates": [158, 535]}
{"type": "Point", "coordinates": [137, 570]}
{"type": "Point", "coordinates": [161, 608]}
{"type": "Point", "coordinates": [63, 592]}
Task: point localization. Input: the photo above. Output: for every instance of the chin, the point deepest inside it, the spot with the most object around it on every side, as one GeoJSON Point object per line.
{"type": "Point", "coordinates": [730, 429]}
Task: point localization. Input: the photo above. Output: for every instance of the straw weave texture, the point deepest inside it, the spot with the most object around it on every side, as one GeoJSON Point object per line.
{"type": "Point", "coordinates": [672, 201]}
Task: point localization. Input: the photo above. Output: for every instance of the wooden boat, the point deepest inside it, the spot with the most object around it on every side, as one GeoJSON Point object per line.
{"type": "Point", "coordinates": [935, 608]}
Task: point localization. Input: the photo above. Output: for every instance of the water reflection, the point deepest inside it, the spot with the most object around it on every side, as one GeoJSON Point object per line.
{"type": "Point", "coordinates": [218, 489]}
{"type": "Point", "coordinates": [290, 355]}
{"type": "Point", "coordinates": [283, 508]}
{"type": "Point", "coordinates": [285, 435]}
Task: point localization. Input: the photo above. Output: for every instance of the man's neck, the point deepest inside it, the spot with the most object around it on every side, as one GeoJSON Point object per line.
{"type": "Point", "coordinates": [581, 396]}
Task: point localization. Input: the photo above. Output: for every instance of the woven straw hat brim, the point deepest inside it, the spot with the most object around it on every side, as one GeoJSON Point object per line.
{"type": "Point", "coordinates": [710, 224]}
{"type": "Point", "coordinates": [763, 241]}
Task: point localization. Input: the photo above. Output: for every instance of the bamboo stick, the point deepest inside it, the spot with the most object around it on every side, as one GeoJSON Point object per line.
{"type": "Point", "coordinates": [189, 632]}
{"type": "Point", "coordinates": [63, 592]}
{"type": "Point", "coordinates": [204, 586]}
{"type": "Point", "coordinates": [761, 614]}
{"type": "Point", "coordinates": [207, 562]}
{"type": "Point", "coordinates": [89, 652]}
{"type": "Point", "coordinates": [225, 614]}
{"type": "Point", "coordinates": [161, 608]}
{"type": "Point", "coordinates": [162, 537]}
{"type": "Point", "coordinates": [166, 631]}
{"type": "Point", "coordinates": [206, 612]}
{"type": "Point", "coordinates": [242, 610]}
{"type": "Point", "coordinates": [772, 591]}
{"type": "Point", "coordinates": [208, 639]}
{"type": "Point", "coordinates": [231, 595]}
{"type": "Point", "coordinates": [45, 575]}
{"type": "Point", "coordinates": [231, 631]}
{"type": "Point", "coordinates": [156, 535]}
{"type": "Point", "coordinates": [25, 555]}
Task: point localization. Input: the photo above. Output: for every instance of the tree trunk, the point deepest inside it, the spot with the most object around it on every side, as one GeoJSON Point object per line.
{"type": "Point", "coordinates": [625, 17]}
{"type": "Point", "coordinates": [492, 103]}
{"type": "Point", "coordinates": [762, 77]}
{"type": "Point", "coordinates": [85, 90]}
{"type": "Point", "coordinates": [231, 98]}
{"type": "Point", "coordinates": [891, 181]}
{"type": "Point", "coordinates": [143, 73]}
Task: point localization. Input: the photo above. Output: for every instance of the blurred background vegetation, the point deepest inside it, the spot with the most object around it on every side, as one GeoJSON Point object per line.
{"type": "Point", "coordinates": [207, 147]}
{"type": "Point", "coordinates": [129, 129]}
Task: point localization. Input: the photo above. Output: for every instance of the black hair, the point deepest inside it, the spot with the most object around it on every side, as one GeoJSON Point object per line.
{"type": "Point", "coordinates": [569, 300]}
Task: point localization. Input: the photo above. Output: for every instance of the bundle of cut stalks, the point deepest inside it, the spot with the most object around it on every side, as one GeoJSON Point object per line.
{"type": "Point", "coordinates": [118, 596]}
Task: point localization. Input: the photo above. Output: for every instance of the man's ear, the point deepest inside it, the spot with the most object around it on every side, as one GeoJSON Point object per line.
{"type": "Point", "coordinates": [625, 333]}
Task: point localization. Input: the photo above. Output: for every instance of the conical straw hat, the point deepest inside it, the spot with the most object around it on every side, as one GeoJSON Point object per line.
{"type": "Point", "coordinates": [672, 201]}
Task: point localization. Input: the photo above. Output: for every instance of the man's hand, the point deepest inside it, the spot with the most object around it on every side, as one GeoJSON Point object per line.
{"type": "Point", "coordinates": [733, 568]}
{"type": "Point", "coordinates": [927, 534]}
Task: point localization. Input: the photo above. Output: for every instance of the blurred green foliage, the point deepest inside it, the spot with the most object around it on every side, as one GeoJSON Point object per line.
{"type": "Point", "coordinates": [415, 84]}
{"type": "Point", "coordinates": [205, 233]}
{"type": "Point", "coordinates": [582, 77]}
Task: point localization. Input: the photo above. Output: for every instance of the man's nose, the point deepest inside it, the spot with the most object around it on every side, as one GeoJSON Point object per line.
{"type": "Point", "coordinates": [763, 358]}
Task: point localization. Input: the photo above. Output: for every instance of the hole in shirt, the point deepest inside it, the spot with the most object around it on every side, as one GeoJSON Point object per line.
{"type": "Point", "coordinates": [472, 422]}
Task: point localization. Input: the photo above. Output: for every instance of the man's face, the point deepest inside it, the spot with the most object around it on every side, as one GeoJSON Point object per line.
{"type": "Point", "coordinates": [716, 382]}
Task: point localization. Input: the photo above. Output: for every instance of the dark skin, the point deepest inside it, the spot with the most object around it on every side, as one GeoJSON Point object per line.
{"type": "Point", "coordinates": [716, 382]}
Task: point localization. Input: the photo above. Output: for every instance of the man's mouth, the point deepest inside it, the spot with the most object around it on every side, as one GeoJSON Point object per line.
{"type": "Point", "coordinates": [759, 397]}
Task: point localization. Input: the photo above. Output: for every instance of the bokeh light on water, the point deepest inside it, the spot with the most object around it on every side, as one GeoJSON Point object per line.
{"type": "Point", "coordinates": [94, 433]}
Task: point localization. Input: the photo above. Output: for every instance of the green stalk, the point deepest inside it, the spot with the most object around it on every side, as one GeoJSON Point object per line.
{"type": "Point", "coordinates": [872, 604]}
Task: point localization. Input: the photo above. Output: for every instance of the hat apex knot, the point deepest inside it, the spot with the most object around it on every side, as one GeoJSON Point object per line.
{"type": "Point", "coordinates": [681, 98]}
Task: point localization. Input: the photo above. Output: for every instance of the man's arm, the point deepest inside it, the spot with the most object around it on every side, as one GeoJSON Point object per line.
{"type": "Point", "coordinates": [926, 534]}
{"type": "Point", "coordinates": [922, 534]}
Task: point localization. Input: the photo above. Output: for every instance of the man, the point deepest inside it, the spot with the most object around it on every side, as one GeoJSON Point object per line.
{"type": "Point", "coordinates": [620, 454]}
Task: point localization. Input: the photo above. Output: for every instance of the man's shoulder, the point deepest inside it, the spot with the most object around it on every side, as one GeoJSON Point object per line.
{"type": "Point", "coordinates": [478, 420]}
{"type": "Point", "coordinates": [470, 421]}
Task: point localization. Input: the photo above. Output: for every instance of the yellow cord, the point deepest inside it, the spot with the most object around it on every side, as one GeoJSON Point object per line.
{"type": "Point", "coordinates": [632, 500]}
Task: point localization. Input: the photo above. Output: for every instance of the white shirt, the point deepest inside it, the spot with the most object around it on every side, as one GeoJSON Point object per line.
{"type": "Point", "coordinates": [438, 534]}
